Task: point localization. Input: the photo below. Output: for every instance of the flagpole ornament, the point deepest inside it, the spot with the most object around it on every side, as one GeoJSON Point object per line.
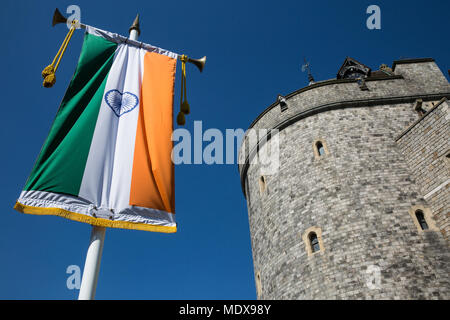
{"type": "Point", "coordinates": [135, 26]}
{"type": "Point", "coordinates": [199, 63]}
{"type": "Point", "coordinates": [58, 18]}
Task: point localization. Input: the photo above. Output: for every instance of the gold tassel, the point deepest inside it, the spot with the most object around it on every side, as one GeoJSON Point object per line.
{"type": "Point", "coordinates": [181, 120]}
{"type": "Point", "coordinates": [49, 80]}
{"type": "Point", "coordinates": [184, 105]}
{"type": "Point", "coordinates": [49, 71]}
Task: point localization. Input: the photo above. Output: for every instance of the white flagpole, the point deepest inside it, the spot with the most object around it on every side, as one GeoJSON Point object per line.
{"type": "Point", "coordinates": [92, 264]}
{"type": "Point", "coordinates": [94, 253]}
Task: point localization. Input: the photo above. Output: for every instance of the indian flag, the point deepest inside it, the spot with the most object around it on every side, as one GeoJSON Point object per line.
{"type": "Point", "coordinates": [107, 158]}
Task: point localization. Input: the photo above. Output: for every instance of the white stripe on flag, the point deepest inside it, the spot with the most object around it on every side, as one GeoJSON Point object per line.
{"type": "Point", "coordinates": [107, 176]}
{"type": "Point", "coordinates": [126, 133]}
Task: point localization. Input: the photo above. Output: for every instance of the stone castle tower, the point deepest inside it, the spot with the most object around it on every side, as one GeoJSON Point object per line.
{"type": "Point", "coordinates": [358, 207]}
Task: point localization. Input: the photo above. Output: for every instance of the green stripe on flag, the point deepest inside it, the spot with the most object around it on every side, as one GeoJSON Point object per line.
{"type": "Point", "coordinates": [61, 162]}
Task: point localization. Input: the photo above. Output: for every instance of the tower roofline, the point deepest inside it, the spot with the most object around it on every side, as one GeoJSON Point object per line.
{"type": "Point", "coordinates": [406, 61]}
{"type": "Point", "coordinates": [339, 81]}
{"type": "Point", "coordinates": [317, 85]}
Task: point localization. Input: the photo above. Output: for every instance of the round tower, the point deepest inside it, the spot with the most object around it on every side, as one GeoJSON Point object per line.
{"type": "Point", "coordinates": [340, 214]}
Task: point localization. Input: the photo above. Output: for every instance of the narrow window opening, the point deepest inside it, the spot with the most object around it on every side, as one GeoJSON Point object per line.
{"type": "Point", "coordinates": [258, 284]}
{"type": "Point", "coordinates": [314, 241]}
{"type": "Point", "coordinates": [421, 219]}
{"type": "Point", "coordinates": [262, 184]}
{"type": "Point", "coordinates": [320, 148]}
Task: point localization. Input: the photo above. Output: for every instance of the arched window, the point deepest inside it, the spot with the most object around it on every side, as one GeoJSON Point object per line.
{"type": "Point", "coordinates": [312, 237]}
{"type": "Point", "coordinates": [421, 220]}
{"type": "Point", "coordinates": [314, 242]}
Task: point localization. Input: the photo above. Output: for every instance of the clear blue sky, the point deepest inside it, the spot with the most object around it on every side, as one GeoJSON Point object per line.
{"type": "Point", "coordinates": [255, 50]}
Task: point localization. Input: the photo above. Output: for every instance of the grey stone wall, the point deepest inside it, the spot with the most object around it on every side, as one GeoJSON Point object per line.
{"type": "Point", "coordinates": [422, 77]}
{"type": "Point", "coordinates": [426, 145]}
{"type": "Point", "coordinates": [358, 195]}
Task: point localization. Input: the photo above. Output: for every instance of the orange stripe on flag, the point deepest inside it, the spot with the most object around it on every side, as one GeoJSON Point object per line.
{"type": "Point", "coordinates": [153, 180]}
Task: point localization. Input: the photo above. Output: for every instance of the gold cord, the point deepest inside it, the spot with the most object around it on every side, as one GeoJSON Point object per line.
{"type": "Point", "coordinates": [49, 72]}
{"type": "Point", "coordinates": [184, 105]}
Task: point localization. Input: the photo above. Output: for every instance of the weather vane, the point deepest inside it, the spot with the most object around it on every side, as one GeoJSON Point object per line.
{"type": "Point", "coordinates": [306, 67]}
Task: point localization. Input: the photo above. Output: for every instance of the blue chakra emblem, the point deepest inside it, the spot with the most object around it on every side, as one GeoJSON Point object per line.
{"type": "Point", "coordinates": [121, 103]}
